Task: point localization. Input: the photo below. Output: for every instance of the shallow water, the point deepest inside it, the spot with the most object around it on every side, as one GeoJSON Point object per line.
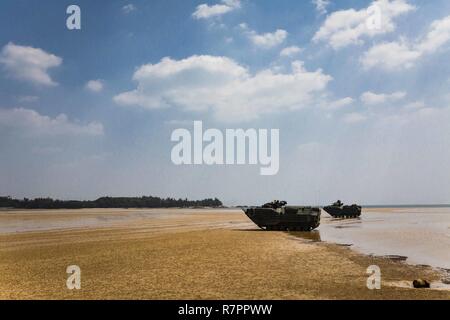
{"type": "Point", "coordinates": [18, 221]}
{"type": "Point", "coordinates": [15, 221]}
{"type": "Point", "coordinates": [417, 235]}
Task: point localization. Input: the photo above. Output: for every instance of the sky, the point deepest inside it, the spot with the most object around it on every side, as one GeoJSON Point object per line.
{"type": "Point", "coordinates": [359, 91]}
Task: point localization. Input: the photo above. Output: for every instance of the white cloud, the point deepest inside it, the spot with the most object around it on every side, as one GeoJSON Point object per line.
{"type": "Point", "coordinates": [265, 40]}
{"type": "Point", "coordinates": [370, 98]}
{"type": "Point", "coordinates": [354, 117]}
{"type": "Point", "coordinates": [218, 83]}
{"type": "Point", "coordinates": [128, 8]}
{"type": "Point", "coordinates": [338, 104]}
{"type": "Point", "coordinates": [347, 27]}
{"type": "Point", "coordinates": [400, 55]}
{"type": "Point", "coordinates": [30, 123]}
{"type": "Point", "coordinates": [321, 5]}
{"type": "Point", "coordinates": [94, 85]}
{"type": "Point", "coordinates": [29, 64]}
{"type": "Point", "coordinates": [290, 51]}
{"type": "Point", "coordinates": [269, 40]}
{"type": "Point", "coordinates": [438, 35]}
{"type": "Point", "coordinates": [390, 56]}
{"type": "Point", "coordinates": [205, 11]}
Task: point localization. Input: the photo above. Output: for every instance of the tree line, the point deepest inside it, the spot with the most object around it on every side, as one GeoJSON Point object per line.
{"type": "Point", "coordinates": [107, 202]}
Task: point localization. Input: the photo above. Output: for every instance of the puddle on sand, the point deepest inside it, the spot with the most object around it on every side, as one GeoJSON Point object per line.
{"type": "Point", "coordinates": [314, 236]}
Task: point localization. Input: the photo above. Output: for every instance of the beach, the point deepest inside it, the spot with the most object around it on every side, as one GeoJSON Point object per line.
{"type": "Point", "coordinates": [202, 254]}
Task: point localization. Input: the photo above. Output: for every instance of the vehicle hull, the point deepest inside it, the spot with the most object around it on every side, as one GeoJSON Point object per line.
{"type": "Point", "coordinates": [353, 211]}
{"type": "Point", "coordinates": [286, 218]}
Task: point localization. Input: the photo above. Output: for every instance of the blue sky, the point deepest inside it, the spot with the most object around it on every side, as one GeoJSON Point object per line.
{"type": "Point", "coordinates": [363, 114]}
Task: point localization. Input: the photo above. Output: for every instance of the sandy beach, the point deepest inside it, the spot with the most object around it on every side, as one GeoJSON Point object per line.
{"type": "Point", "coordinates": [186, 254]}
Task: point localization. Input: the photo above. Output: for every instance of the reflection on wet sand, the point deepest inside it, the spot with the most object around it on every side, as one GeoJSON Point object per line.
{"type": "Point", "coordinates": [313, 236]}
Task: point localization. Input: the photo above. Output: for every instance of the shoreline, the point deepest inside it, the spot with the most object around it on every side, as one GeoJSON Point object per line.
{"type": "Point", "coordinates": [195, 255]}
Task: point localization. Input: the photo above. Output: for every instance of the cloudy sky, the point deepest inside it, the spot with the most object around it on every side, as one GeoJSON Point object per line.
{"type": "Point", "coordinates": [363, 113]}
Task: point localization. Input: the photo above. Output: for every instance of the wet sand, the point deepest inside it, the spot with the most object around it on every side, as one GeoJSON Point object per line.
{"type": "Point", "coordinates": [185, 254]}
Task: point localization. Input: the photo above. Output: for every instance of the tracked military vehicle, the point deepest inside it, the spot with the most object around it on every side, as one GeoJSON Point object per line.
{"type": "Point", "coordinates": [277, 216]}
{"type": "Point", "coordinates": [339, 210]}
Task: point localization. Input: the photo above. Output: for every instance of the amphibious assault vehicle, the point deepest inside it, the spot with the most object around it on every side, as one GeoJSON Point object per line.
{"type": "Point", "coordinates": [277, 216]}
{"type": "Point", "coordinates": [338, 210]}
